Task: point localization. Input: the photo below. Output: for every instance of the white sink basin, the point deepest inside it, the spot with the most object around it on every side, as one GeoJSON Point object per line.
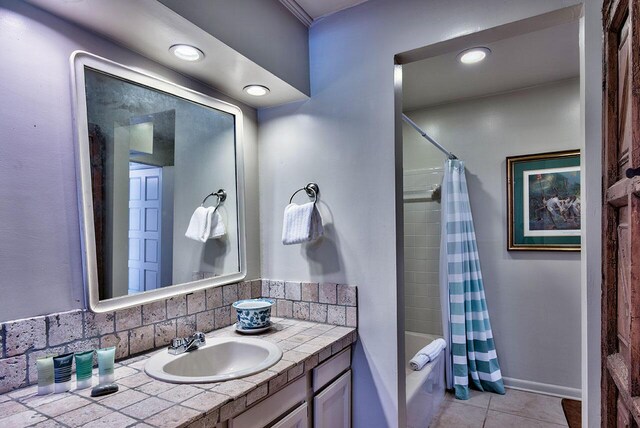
{"type": "Point", "coordinates": [220, 359]}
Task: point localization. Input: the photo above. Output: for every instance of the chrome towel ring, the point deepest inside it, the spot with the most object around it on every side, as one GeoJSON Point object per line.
{"type": "Point", "coordinates": [220, 194]}
{"type": "Point", "coordinates": [311, 189]}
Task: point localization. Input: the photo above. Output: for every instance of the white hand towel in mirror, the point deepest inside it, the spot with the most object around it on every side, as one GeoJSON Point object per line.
{"type": "Point", "coordinates": [218, 228]}
{"type": "Point", "coordinates": [199, 228]}
{"type": "Point", "coordinates": [302, 223]}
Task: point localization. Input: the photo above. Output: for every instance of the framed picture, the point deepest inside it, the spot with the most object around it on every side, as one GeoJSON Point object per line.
{"type": "Point", "coordinates": [543, 200]}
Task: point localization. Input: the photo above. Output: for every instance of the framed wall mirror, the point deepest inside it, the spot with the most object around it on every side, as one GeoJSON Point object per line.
{"type": "Point", "coordinates": [149, 152]}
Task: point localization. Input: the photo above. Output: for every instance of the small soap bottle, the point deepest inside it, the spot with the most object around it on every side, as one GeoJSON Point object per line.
{"type": "Point", "coordinates": [45, 375]}
{"type": "Point", "coordinates": [84, 367]}
{"type": "Point", "coordinates": [62, 372]}
{"type": "Point", "coordinates": [106, 360]}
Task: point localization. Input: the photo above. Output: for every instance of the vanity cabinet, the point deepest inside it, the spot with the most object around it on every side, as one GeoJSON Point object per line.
{"type": "Point", "coordinates": [332, 407]}
{"type": "Point", "coordinates": [319, 399]}
{"type": "Point", "coordinates": [299, 418]}
{"type": "Point", "coordinates": [332, 392]}
{"type": "Point", "coordinates": [273, 408]}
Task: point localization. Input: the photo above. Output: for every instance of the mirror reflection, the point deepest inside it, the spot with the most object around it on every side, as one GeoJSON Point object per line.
{"type": "Point", "coordinates": [154, 158]}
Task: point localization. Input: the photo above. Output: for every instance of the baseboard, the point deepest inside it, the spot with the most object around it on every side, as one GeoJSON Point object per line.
{"type": "Point", "coordinates": [542, 388]}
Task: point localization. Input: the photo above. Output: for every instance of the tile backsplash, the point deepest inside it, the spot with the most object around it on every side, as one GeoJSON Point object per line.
{"type": "Point", "coordinates": [142, 328]}
{"type": "Point", "coordinates": [325, 302]}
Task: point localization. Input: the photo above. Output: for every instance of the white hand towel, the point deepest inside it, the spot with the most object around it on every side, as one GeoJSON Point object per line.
{"type": "Point", "coordinates": [302, 223]}
{"type": "Point", "coordinates": [426, 354]}
{"type": "Point", "coordinates": [199, 225]}
{"type": "Point", "coordinates": [218, 229]}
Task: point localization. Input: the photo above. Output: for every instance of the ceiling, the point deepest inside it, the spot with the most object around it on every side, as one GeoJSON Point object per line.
{"type": "Point", "coordinates": [308, 11]}
{"type": "Point", "coordinates": [525, 60]}
{"type": "Point", "coordinates": [148, 28]}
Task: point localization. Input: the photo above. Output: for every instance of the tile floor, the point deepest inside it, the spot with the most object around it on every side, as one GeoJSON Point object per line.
{"type": "Point", "coordinates": [514, 409]}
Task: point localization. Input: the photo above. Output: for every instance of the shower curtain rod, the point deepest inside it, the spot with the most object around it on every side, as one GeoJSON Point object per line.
{"type": "Point", "coordinates": [427, 137]}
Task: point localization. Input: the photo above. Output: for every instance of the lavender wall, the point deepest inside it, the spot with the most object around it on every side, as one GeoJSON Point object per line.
{"type": "Point", "coordinates": [343, 138]}
{"type": "Point", "coordinates": [40, 254]}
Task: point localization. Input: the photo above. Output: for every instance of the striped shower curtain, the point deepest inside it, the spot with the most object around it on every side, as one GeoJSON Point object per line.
{"type": "Point", "coordinates": [466, 323]}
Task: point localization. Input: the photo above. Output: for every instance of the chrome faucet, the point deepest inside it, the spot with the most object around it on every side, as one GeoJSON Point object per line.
{"type": "Point", "coordinates": [181, 345]}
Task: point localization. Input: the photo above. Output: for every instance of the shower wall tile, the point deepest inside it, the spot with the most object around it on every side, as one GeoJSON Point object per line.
{"type": "Point", "coordinates": [422, 254]}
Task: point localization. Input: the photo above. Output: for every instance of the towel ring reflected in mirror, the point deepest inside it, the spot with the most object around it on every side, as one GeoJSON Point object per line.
{"type": "Point", "coordinates": [220, 194]}
{"type": "Point", "coordinates": [311, 189]}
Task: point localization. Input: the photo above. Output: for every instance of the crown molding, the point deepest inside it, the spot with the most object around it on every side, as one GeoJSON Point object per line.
{"type": "Point", "coordinates": [298, 11]}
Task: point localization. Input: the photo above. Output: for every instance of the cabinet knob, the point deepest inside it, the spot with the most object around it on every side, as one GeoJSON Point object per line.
{"type": "Point", "coordinates": [632, 172]}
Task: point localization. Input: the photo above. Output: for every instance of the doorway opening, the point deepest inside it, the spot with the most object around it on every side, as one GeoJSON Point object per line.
{"type": "Point", "coordinates": [524, 98]}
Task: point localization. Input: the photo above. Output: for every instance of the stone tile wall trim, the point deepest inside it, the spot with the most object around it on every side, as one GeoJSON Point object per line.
{"type": "Point", "coordinates": [144, 401]}
{"type": "Point", "coordinates": [329, 303]}
{"type": "Point", "coordinates": [142, 328]}
{"type": "Point", "coordinates": [133, 330]}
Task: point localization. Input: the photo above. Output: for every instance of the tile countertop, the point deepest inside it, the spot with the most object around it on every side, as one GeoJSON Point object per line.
{"type": "Point", "coordinates": [145, 402]}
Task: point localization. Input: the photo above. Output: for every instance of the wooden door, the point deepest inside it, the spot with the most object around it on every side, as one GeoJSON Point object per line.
{"type": "Point", "coordinates": [98, 159]}
{"type": "Point", "coordinates": [621, 215]}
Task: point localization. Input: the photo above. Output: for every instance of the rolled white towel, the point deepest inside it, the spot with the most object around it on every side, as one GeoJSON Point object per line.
{"type": "Point", "coordinates": [218, 229]}
{"type": "Point", "coordinates": [426, 354]}
{"type": "Point", "coordinates": [434, 348]}
{"type": "Point", "coordinates": [199, 225]}
{"type": "Point", "coordinates": [302, 223]}
{"type": "Point", "coordinates": [418, 361]}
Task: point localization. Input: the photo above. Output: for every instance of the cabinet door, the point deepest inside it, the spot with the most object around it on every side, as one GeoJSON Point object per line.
{"type": "Point", "coordinates": [296, 419]}
{"type": "Point", "coordinates": [332, 407]}
{"type": "Point", "coordinates": [273, 407]}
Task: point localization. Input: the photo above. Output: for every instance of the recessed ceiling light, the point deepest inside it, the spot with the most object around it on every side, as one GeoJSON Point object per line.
{"type": "Point", "coordinates": [187, 52]}
{"type": "Point", "coordinates": [256, 90]}
{"type": "Point", "coordinates": [473, 55]}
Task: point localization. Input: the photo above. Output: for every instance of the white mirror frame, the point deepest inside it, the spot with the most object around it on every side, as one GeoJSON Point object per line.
{"type": "Point", "coordinates": [80, 60]}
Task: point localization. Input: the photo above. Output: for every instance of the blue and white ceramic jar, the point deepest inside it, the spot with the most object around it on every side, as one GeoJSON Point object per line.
{"type": "Point", "coordinates": [253, 313]}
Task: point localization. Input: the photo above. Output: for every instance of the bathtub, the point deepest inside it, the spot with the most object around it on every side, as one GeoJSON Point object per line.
{"type": "Point", "coordinates": [425, 388]}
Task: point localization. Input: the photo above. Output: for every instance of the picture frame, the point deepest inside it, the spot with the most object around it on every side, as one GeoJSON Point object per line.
{"type": "Point", "coordinates": [543, 202]}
